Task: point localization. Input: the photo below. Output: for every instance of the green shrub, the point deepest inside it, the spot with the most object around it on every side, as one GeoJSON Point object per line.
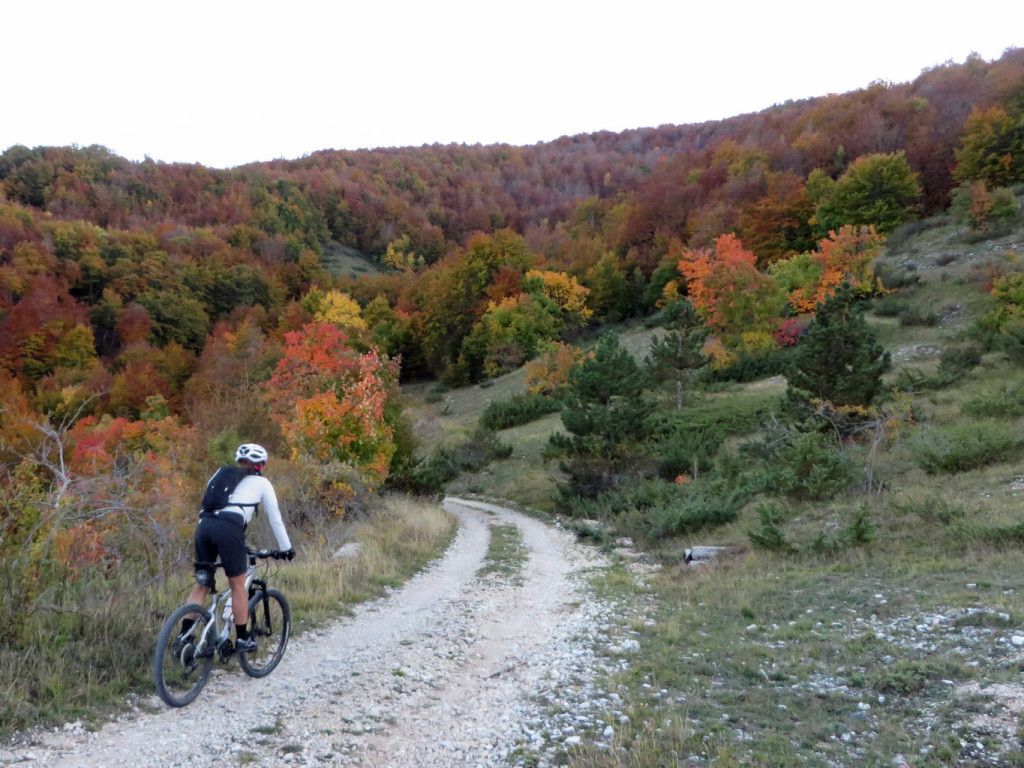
{"type": "Point", "coordinates": [914, 380]}
{"type": "Point", "coordinates": [909, 229]}
{"type": "Point", "coordinates": [770, 537]}
{"type": "Point", "coordinates": [958, 360]}
{"type": "Point", "coordinates": [738, 414]}
{"type": "Point", "coordinates": [932, 510]}
{"type": "Point", "coordinates": [954, 363]}
{"type": "Point", "coordinates": [682, 447]}
{"type": "Point", "coordinates": [889, 306]}
{"type": "Point", "coordinates": [898, 281]}
{"type": "Point", "coordinates": [430, 476]}
{"type": "Point", "coordinates": [752, 366]}
{"type": "Point", "coordinates": [656, 509]}
{"type": "Point", "coordinates": [905, 677]}
{"type": "Point", "coordinates": [806, 468]}
{"type": "Point", "coordinates": [688, 454]}
{"type": "Point", "coordinates": [912, 317]}
{"type": "Point", "coordinates": [697, 505]}
{"type": "Point", "coordinates": [1007, 403]}
{"type": "Point", "coordinates": [860, 530]}
{"type": "Point", "coordinates": [1005, 535]}
{"type": "Point", "coordinates": [943, 450]}
{"type": "Point", "coordinates": [838, 359]}
{"type": "Point", "coordinates": [519, 409]}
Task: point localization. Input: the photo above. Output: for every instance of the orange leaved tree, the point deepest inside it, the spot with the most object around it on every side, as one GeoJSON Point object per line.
{"type": "Point", "coordinates": [738, 302]}
{"type": "Point", "coordinates": [330, 403]}
{"type": "Point", "coordinates": [842, 257]}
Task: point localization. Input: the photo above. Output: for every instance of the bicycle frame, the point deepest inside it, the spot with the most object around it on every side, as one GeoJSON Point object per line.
{"type": "Point", "coordinates": [183, 661]}
{"type": "Point", "coordinates": [221, 605]}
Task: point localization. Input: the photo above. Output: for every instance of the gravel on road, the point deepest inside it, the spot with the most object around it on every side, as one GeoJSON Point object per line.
{"type": "Point", "coordinates": [455, 668]}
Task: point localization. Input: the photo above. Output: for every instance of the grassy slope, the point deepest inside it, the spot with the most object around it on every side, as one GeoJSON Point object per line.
{"type": "Point", "coordinates": [825, 659]}
{"type": "Point", "coordinates": [343, 261]}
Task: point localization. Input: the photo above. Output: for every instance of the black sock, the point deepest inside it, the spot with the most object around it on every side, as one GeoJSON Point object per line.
{"type": "Point", "coordinates": [241, 631]}
{"type": "Point", "coordinates": [186, 625]}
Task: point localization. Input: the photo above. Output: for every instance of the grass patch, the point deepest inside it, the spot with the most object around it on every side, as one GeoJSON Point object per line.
{"type": "Point", "coordinates": [506, 552]}
{"type": "Point", "coordinates": [344, 261]}
{"type": "Point", "coordinates": [767, 662]}
{"type": "Point", "coordinates": [268, 730]}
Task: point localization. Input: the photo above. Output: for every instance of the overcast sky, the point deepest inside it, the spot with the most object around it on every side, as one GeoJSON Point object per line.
{"type": "Point", "coordinates": [223, 83]}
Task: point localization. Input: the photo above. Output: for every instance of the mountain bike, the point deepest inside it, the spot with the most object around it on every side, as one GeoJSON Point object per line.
{"type": "Point", "coordinates": [183, 660]}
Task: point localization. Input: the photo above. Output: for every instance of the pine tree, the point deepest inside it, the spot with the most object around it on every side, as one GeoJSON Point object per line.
{"type": "Point", "coordinates": [605, 411]}
{"type": "Point", "coordinates": [678, 353]}
{"type": "Point", "coordinates": [838, 359]}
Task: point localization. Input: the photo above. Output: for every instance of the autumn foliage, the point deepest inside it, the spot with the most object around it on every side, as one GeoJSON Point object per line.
{"type": "Point", "coordinates": [329, 402]}
{"type": "Point", "coordinates": [152, 313]}
{"type": "Point", "coordinates": [737, 301]}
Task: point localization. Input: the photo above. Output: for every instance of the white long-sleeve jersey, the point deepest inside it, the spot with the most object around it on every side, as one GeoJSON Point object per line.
{"type": "Point", "coordinates": [253, 490]}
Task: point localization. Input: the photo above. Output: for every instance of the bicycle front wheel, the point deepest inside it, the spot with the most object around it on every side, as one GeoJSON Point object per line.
{"type": "Point", "coordinates": [182, 664]}
{"type": "Point", "coordinates": [270, 625]}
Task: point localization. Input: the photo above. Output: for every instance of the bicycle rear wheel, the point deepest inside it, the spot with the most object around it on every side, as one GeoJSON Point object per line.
{"type": "Point", "coordinates": [270, 625]}
{"type": "Point", "coordinates": [181, 666]}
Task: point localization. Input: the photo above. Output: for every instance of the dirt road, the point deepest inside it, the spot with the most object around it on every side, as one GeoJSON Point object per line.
{"type": "Point", "coordinates": [453, 669]}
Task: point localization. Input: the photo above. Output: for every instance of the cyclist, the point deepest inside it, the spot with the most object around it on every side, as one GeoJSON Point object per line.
{"type": "Point", "coordinates": [222, 532]}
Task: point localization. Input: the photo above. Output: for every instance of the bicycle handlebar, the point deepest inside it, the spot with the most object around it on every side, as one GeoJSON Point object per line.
{"type": "Point", "coordinates": [275, 554]}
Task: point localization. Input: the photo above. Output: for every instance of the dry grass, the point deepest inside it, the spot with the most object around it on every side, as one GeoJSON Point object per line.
{"type": "Point", "coordinates": [80, 660]}
{"type": "Point", "coordinates": [398, 538]}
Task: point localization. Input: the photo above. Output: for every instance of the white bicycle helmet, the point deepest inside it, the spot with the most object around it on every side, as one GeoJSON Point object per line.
{"type": "Point", "coordinates": [256, 454]}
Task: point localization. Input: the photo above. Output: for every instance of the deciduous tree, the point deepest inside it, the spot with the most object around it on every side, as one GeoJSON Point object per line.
{"type": "Point", "coordinates": [877, 190]}
{"type": "Point", "coordinates": [992, 148]}
{"type": "Point", "coordinates": [728, 291]}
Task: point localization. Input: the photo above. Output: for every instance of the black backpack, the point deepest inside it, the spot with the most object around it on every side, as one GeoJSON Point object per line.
{"type": "Point", "coordinates": [221, 485]}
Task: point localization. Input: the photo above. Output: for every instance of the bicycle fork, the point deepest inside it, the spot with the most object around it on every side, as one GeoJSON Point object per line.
{"type": "Point", "coordinates": [261, 625]}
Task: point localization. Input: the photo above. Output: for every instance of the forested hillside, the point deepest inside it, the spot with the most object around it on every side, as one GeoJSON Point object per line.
{"type": "Point", "coordinates": [154, 315]}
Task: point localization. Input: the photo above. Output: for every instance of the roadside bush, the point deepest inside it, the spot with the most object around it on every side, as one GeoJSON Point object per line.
{"type": "Point", "coordinates": [857, 532]}
{"type": "Point", "coordinates": [701, 504]}
{"type": "Point", "coordinates": [806, 468]}
{"type": "Point", "coordinates": [943, 450]}
{"type": "Point", "coordinates": [519, 409]}
{"type": "Point", "coordinates": [687, 453]}
{"type": "Point", "coordinates": [430, 476]}
{"type": "Point", "coordinates": [658, 509]}
{"type": "Point", "coordinates": [682, 446]}
{"type": "Point", "coordinates": [590, 478]}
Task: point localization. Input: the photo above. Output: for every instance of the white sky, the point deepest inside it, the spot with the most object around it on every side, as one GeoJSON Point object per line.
{"type": "Point", "coordinates": [222, 82]}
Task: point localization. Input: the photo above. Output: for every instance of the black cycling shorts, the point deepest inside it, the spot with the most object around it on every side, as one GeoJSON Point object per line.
{"type": "Point", "coordinates": [223, 538]}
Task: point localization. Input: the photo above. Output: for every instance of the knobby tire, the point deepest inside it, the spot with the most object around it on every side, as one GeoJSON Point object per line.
{"type": "Point", "coordinates": [270, 624]}
{"type": "Point", "coordinates": [180, 676]}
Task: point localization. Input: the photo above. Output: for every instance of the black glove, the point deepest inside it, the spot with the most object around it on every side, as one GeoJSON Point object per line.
{"type": "Point", "coordinates": [289, 555]}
